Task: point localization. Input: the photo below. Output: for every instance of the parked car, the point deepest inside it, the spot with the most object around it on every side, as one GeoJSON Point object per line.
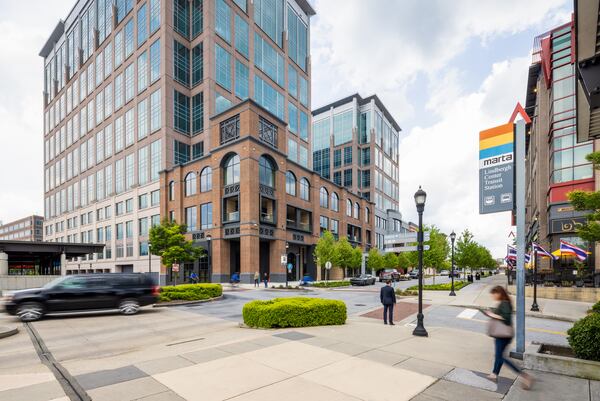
{"type": "Point", "coordinates": [445, 273]}
{"type": "Point", "coordinates": [389, 274]}
{"type": "Point", "coordinates": [125, 292]}
{"type": "Point", "coordinates": [456, 274]}
{"type": "Point", "coordinates": [363, 279]}
{"type": "Point", "coordinates": [414, 273]}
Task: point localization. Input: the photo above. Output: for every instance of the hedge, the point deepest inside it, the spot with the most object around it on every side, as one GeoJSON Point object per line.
{"type": "Point", "coordinates": [441, 287]}
{"type": "Point", "coordinates": [328, 284]}
{"type": "Point", "coordinates": [294, 312]}
{"type": "Point", "coordinates": [595, 308]}
{"type": "Point", "coordinates": [190, 292]}
{"type": "Point", "coordinates": [584, 337]}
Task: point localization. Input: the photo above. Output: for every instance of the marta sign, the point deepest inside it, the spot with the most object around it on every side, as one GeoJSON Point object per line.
{"type": "Point", "coordinates": [496, 169]}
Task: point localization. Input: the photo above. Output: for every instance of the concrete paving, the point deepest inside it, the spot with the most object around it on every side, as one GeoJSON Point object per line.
{"type": "Point", "coordinates": [189, 353]}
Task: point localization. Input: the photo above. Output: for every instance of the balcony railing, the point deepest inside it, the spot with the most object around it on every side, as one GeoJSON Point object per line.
{"type": "Point", "coordinates": [267, 132]}
{"type": "Point", "coordinates": [230, 129]}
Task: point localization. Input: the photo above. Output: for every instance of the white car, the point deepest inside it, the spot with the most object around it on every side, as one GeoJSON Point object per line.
{"type": "Point", "coordinates": [444, 273]}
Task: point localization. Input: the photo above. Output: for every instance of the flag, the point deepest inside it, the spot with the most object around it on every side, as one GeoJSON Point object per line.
{"type": "Point", "coordinates": [571, 249]}
{"type": "Point", "coordinates": [511, 256]}
{"type": "Point", "coordinates": [541, 251]}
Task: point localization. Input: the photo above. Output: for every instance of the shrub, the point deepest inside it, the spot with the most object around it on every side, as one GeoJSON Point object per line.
{"type": "Point", "coordinates": [584, 337]}
{"type": "Point", "coordinates": [294, 312]}
{"type": "Point", "coordinates": [595, 308]}
{"type": "Point", "coordinates": [327, 284]}
{"type": "Point", "coordinates": [406, 293]}
{"type": "Point", "coordinates": [441, 287]}
{"type": "Point", "coordinates": [190, 292]}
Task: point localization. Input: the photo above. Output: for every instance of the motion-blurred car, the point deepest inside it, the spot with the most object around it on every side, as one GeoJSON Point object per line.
{"type": "Point", "coordinates": [414, 273]}
{"type": "Point", "coordinates": [444, 273]}
{"type": "Point", "coordinates": [125, 292]}
{"type": "Point", "coordinates": [389, 274]}
{"type": "Point", "coordinates": [363, 279]}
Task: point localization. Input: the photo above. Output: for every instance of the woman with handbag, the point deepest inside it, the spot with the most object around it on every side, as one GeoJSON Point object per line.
{"type": "Point", "coordinates": [500, 328]}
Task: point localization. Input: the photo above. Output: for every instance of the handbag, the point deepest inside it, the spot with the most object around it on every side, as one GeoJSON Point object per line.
{"type": "Point", "coordinates": [498, 329]}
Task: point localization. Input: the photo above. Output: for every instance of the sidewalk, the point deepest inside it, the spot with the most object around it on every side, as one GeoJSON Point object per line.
{"type": "Point", "coordinates": [477, 295]}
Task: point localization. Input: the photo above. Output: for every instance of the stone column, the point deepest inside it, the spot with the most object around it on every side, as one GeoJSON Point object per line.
{"type": "Point", "coordinates": [3, 264]}
{"type": "Point", "coordinates": [63, 263]}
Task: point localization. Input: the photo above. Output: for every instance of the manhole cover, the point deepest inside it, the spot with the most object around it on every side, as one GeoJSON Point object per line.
{"type": "Point", "coordinates": [360, 305]}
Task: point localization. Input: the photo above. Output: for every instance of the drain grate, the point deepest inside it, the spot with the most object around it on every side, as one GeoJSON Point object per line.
{"type": "Point", "coordinates": [360, 305]}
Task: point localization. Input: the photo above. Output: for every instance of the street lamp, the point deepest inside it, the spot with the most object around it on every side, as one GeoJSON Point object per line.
{"type": "Point", "coordinates": [420, 198]}
{"type": "Point", "coordinates": [287, 246]}
{"type": "Point", "coordinates": [149, 259]}
{"type": "Point", "coordinates": [452, 238]}
{"type": "Point", "coordinates": [534, 305]}
{"type": "Point", "coordinates": [209, 239]}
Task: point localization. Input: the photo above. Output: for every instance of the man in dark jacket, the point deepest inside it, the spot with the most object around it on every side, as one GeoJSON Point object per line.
{"type": "Point", "coordinates": [388, 299]}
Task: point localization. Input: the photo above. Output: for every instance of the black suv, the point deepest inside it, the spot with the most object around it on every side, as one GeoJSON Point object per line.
{"type": "Point", "coordinates": [126, 292]}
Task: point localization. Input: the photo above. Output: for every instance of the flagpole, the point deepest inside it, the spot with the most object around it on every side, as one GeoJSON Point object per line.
{"type": "Point", "coordinates": [534, 305]}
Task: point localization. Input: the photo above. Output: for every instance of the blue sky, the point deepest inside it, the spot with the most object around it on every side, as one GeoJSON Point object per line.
{"type": "Point", "coordinates": [444, 69]}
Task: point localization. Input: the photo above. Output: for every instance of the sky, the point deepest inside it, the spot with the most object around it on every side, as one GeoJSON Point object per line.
{"type": "Point", "coordinates": [444, 69]}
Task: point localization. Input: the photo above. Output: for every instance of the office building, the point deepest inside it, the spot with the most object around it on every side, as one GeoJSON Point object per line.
{"type": "Point", "coordinates": [556, 158]}
{"type": "Point", "coordinates": [26, 229]}
{"type": "Point", "coordinates": [356, 144]}
{"type": "Point", "coordinates": [131, 90]}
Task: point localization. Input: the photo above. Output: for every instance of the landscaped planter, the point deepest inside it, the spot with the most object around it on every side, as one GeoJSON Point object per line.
{"type": "Point", "coordinates": [560, 360]}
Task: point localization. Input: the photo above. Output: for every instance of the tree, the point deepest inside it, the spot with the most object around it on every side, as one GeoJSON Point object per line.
{"type": "Point", "coordinates": [584, 201]}
{"type": "Point", "coordinates": [356, 261]}
{"type": "Point", "coordinates": [343, 254]}
{"type": "Point", "coordinates": [467, 254]}
{"type": "Point", "coordinates": [374, 260]}
{"type": "Point", "coordinates": [167, 240]}
{"type": "Point", "coordinates": [438, 250]}
{"type": "Point", "coordinates": [390, 261]}
{"type": "Point", "coordinates": [325, 249]}
{"type": "Point", "coordinates": [404, 262]}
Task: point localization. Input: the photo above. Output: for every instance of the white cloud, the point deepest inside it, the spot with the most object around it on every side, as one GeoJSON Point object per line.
{"type": "Point", "coordinates": [443, 157]}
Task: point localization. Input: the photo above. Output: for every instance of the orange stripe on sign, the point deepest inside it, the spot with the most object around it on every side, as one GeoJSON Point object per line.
{"type": "Point", "coordinates": [492, 132]}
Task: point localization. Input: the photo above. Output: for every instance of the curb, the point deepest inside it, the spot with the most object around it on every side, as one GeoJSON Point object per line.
{"type": "Point", "coordinates": [529, 314]}
{"type": "Point", "coordinates": [183, 303]}
{"type": "Point", "coordinates": [8, 331]}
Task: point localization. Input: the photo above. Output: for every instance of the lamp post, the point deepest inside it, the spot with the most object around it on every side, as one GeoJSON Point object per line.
{"type": "Point", "coordinates": [452, 238]}
{"type": "Point", "coordinates": [149, 259]}
{"type": "Point", "coordinates": [420, 198]}
{"type": "Point", "coordinates": [209, 239]}
{"type": "Point", "coordinates": [287, 246]}
{"type": "Point", "coordinates": [534, 305]}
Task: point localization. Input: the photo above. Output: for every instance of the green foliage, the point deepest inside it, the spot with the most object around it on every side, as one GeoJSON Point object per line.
{"type": "Point", "coordinates": [584, 337]}
{"type": "Point", "coordinates": [327, 284]}
{"type": "Point", "coordinates": [375, 259]}
{"type": "Point", "coordinates": [168, 241]}
{"type": "Point", "coordinates": [438, 250]}
{"type": "Point", "coordinates": [390, 261]}
{"type": "Point", "coordinates": [441, 287]}
{"type": "Point", "coordinates": [595, 308]}
{"type": "Point", "coordinates": [470, 254]}
{"type": "Point", "coordinates": [356, 259]}
{"type": "Point", "coordinates": [190, 292]}
{"type": "Point", "coordinates": [406, 293]}
{"type": "Point", "coordinates": [404, 261]}
{"type": "Point", "coordinates": [294, 312]}
{"type": "Point", "coordinates": [343, 253]}
{"type": "Point", "coordinates": [325, 249]}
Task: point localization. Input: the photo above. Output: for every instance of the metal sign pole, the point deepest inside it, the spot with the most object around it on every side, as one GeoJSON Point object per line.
{"type": "Point", "coordinates": [520, 215]}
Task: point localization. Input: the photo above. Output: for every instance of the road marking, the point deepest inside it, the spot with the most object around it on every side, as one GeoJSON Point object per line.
{"type": "Point", "coordinates": [467, 314]}
{"type": "Point", "coordinates": [558, 333]}
{"type": "Point", "coordinates": [534, 329]}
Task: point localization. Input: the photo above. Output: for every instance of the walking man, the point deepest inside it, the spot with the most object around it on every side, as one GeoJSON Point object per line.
{"type": "Point", "coordinates": [266, 279]}
{"type": "Point", "coordinates": [388, 299]}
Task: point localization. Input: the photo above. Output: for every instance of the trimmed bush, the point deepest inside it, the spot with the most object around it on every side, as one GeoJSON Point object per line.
{"type": "Point", "coordinates": [190, 292]}
{"type": "Point", "coordinates": [595, 308]}
{"type": "Point", "coordinates": [294, 312]}
{"type": "Point", "coordinates": [441, 287]}
{"type": "Point", "coordinates": [584, 337]}
{"type": "Point", "coordinates": [406, 293]}
{"type": "Point", "coordinates": [330, 284]}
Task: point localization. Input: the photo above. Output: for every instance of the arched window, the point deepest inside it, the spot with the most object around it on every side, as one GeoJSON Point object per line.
{"type": "Point", "coordinates": [367, 215]}
{"type": "Point", "coordinates": [206, 179]}
{"type": "Point", "coordinates": [190, 184]}
{"type": "Point", "coordinates": [348, 208]}
{"type": "Point", "coordinates": [304, 189]}
{"type": "Point", "coordinates": [266, 172]}
{"type": "Point", "coordinates": [356, 210]}
{"type": "Point", "coordinates": [290, 183]}
{"type": "Point", "coordinates": [171, 190]}
{"type": "Point", "coordinates": [324, 198]}
{"type": "Point", "coordinates": [335, 202]}
{"type": "Point", "coordinates": [231, 170]}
